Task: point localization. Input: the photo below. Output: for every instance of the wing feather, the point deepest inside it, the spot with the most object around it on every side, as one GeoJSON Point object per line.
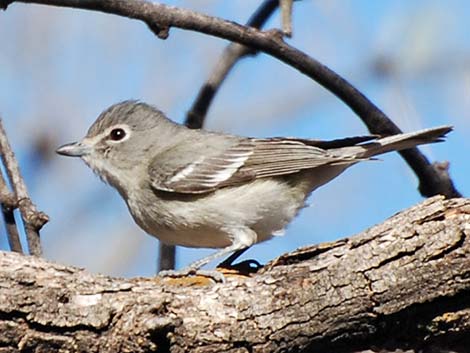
{"type": "Point", "coordinates": [249, 159]}
{"type": "Point", "coordinates": [206, 173]}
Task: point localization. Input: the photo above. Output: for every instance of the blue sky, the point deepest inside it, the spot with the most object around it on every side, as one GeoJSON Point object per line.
{"type": "Point", "coordinates": [59, 68]}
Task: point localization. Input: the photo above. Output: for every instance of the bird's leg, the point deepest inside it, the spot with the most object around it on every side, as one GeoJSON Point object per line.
{"type": "Point", "coordinates": [194, 268]}
{"type": "Point", "coordinates": [236, 248]}
{"type": "Point", "coordinates": [243, 239]}
{"type": "Point", "coordinates": [229, 260]}
{"type": "Point", "coordinates": [247, 237]}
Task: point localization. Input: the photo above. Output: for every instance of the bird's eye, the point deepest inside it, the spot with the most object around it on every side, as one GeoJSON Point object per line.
{"type": "Point", "coordinates": [117, 134]}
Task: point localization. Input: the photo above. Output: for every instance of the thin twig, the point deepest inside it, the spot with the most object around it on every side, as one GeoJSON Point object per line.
{"type": "Point", "coordinates": [32, 218]}
{"type": "Point", "coordinates": [230, 56]}
{"type": "Point", "coordinates": [167, 257]}
{"type": "Point", "coordinates": [9, 203]}
{"type": "Point", "coordinates": [196, 115]}
{"type": "Point", "coordinates": [286, 16]}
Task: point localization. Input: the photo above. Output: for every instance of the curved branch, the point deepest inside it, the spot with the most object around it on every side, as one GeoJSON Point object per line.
{"type": "Point", "coordinates": [230, 56]}
{"type": "Point", "coordinates": [159, 18]}
{"type": "Point", "coordinates": [401, 285]}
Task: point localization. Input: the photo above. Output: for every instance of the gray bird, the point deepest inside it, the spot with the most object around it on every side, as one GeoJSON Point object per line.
{"type": "Point", "coordinates": [203, 189]}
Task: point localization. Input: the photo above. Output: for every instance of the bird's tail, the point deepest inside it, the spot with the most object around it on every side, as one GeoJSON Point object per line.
{"type": "Point", "coordinates": [397, 142]}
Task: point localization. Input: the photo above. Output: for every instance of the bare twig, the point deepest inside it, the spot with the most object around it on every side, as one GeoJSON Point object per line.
{"type": "Point", "coordinates": [167, 257]}
{"type": "Point", "coordinates": [8, 202]}
{"type": "Point", "coordinates": [230, 56]}
{"type": "Point", "coordinates": [286, 14]}
{"type": "Point", "coordinates": [160, 18]}
{"type": "Point", "coordinates": [32, 218]}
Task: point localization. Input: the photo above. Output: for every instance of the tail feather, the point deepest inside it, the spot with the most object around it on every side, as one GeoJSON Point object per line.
{"type": "Point", "coordinates": [398, 142]}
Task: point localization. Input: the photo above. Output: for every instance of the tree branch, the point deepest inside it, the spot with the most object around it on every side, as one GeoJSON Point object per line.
{"type": "Point", "coordinates": [166, 257]}
{"type": "Point", "coordinates": [33, 219]}
{"type": "Point", "coordinates": [402, 284]}
{"type": "Point", "coordinates": [230, 56]}
{"type": "Point", "coordinates": [286, 16]}
{"type": "Point", "coordinates": [159, 18]}
{"type": "Point", "coordinates": [8, 201]}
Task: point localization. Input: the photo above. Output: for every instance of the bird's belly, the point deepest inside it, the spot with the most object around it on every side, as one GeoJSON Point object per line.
{"type": "Point", "coordinates": [214, 220]}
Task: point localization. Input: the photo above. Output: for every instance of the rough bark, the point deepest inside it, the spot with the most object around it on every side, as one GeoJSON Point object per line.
{"type": "Point", "coordinates": [403, 284]}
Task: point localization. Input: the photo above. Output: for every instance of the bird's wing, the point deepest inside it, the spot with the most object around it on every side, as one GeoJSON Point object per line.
{"type": "Point", "coordinates": [240, 161]}
{"type": "Point", "coordinates": [199, 166]}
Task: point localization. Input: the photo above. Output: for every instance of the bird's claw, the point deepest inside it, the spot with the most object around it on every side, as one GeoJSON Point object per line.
{"type": "Point", "coordinates": [243, 267]}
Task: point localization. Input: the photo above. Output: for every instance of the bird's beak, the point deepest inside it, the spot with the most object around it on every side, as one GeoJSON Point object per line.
{"type": "Point", "coordinates": [74, 149]}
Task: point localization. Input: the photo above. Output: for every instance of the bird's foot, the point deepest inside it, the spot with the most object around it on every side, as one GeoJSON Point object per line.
{"type": "Point", "coordinates": [243, 267]}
